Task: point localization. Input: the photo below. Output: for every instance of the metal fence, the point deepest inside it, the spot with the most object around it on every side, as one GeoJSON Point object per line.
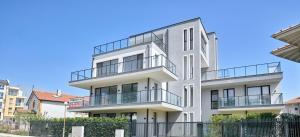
{"type": "Point", "coordinates": [272, 128]}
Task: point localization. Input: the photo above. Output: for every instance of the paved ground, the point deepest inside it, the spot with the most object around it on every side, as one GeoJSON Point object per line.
{"type": "Point", "coordinates": [10, 135]}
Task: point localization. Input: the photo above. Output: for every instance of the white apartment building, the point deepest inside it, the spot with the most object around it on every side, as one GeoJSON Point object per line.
{"type": "Point", "coordinates": [170, 74]}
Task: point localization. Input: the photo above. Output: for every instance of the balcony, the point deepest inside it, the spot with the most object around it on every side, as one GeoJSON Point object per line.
{"type": "Point", "coordinates": [156, 67]}
{"type": "Point", "coordinates": [129, 42]}
{"type": "Point", "coordinates": [157, 99]}
{"type": "Point", "coordinates": [251, 102]}
{"type": "Point", "coordinates": [268, 72]}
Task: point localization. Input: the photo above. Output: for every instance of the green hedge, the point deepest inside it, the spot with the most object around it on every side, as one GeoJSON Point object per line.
{"type": "Point", "coordinates": [93, 127]}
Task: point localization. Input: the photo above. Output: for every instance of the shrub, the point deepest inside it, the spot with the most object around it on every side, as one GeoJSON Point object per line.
{"type": "Point", "coordinates": [93, 127]}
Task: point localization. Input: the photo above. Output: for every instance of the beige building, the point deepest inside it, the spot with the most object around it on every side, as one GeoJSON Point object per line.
{"type": "Point", "coordinates": [10, 99]}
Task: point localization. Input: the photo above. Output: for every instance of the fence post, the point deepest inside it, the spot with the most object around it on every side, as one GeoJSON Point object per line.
{"type": "Point", "coordinates": [222, 130]}
{"type": "Point", "coordinates": [200, 129]}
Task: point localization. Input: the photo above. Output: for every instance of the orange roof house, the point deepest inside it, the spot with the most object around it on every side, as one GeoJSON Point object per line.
{"type": "Point", "coordinates": [47, 103]}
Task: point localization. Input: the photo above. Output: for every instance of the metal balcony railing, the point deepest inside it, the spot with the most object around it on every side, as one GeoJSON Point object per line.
{"type": "Point", "coordinates": [242, 71]}
{"type": "Point", "coordinates": [124, 67]}
{"type": "Point", "coordinates": [134, 97]}
{"type": "Point", "coordinates": [251, 100]}
{"type": "Point", "coordinates": [129, 42]}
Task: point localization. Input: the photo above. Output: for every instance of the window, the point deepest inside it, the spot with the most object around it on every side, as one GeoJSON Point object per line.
{"type": "Point", "coordinates": [185, 92]}
{"type": "Point", "coordinates": [191, 125]}
{"type": "Point", "coordinates": [154, 123]}
{"type": "Point", "coordinates": [259, 95]}
{"type": "Point", "coordinates": [228, 96]}
{"type": "Point", "coordinates": [107, 68]}
{"type": "Point", "coordinates": [129, 93]}
{"type": "Point", "coordinates": [191, 66]}
{"type": "Point", "coordinates": [214, 99]}
{"type": "Point", "coordinates": [191, 96]}
{"type": "Point", "coordinates": [185, 120]}
{"type": "Point", "coordinates": [1, 95]}
{"type": "Point", "coordinates": [106, 95]}
{"type": "Point", "coordinates": [1, 86]}
{"type": "Point", "coordinates": [203, 44]}
{"type": "Point", "coordinates": [133, 63]}
{"type": "Point", "coordinates": [105, 115]}
{"type": "Point", "coordinates": [0, 105]}
{"type": "Point", "coordinates": [184, 40]}
{"type": "Point", "coordinates": [13, 92]}
{"type": "Point", "coordinates": [185, 67]}
{"type": "Point", "coordinates": [191, 38]}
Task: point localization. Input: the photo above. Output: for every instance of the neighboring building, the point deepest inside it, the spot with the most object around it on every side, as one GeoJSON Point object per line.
{"type": "Point", "coordinates": [50, 104]}
{"type": "Point", "coordinates": [171, 74]}
{"type": "Point", "coordinates": [293, 106]}
{"type": "Point", "coordinates": [3, 88]}
{"type": "Point", "coordinates": [13, 100]}
{"type": "Point", "coordinates": [291, 36]}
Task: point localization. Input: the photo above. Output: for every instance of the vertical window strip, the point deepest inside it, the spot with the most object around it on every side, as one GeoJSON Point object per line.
{"type": "Point", "coordinates": [185, 67]}
{"type": "Point", "coordinates": [185, 92]}
{"type": "Point", "coordinates": [191, 96]}
{"type": "Point", "coordinates": [191, 38]}
{"type": "Point", "coordinates": [185, 40]}
{"type": "Point", "coordinates": [191, 66]}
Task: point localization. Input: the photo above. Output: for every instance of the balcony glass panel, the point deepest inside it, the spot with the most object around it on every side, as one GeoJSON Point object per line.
{"type": "Point", "coordinates": [130, 64]}
{"type": "Point", "coordinates": [251, 100]}
{"type": "Point", "coordinates": [243, 71]}
{"type": "Point", "coordinates": [129, 95]}
{"type": "Point", "coordinates": [128, 42]}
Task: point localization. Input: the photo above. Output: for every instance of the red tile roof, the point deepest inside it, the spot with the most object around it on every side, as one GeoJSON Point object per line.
{"type": "Point", "coordinates": [294, 101]}
{"type": "Point", "coordinates": [51, 96]}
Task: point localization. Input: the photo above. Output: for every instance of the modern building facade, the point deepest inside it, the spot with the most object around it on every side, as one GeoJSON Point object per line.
{"type": "Point", "coordinates": [50, 104]}
{"type": "Point", "coordinates": [291, 36]}
{"type": "Point", "coordinates": [170, 74]}
{"type": "Point", "coordinates": [10, 99]}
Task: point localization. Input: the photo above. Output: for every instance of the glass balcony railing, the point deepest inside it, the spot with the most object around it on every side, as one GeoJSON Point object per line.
{"type": "Point", "coordinates": [124, 67]}
{"type": "Point", "coordinates": [253, 100]}
{"type": "Point", "coordinates": [129, 42]}
{"type": "Point", "coordinates": [135, 97]}
{"type": "Point", "coordinates": [243, 71]}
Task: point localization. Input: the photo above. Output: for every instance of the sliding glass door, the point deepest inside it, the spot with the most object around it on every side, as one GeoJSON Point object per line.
{"type": "Point", "coordinates": [129, 93]}
{"type": "Point", "coordinates": [107, 68]}
{"type": "Point", "coordinates": [259, 95]}
{"type": "Point", "coordinates": [106, 95]}
{"type": "Point", "coordinates": [133, 63]}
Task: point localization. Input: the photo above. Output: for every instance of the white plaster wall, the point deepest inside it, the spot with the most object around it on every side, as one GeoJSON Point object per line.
{"type": "Point", "coordinates": [51, 109]}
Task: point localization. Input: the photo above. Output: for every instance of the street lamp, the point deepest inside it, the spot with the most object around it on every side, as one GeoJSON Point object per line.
{"type": "Point", "coordinates": [64, 128]}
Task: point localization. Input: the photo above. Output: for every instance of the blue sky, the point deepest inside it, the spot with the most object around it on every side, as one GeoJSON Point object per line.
{"type": "Point", "coordinates": [41, 42]}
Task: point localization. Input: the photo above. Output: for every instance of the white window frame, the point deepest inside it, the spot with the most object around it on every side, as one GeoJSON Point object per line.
{"type": "Point", "coordinates": [189, 92]}
{"type": "Point", "coordinates": [187, 39]}
{"type": "Point", "coordinates": [189, 66]}
{"type": "Point", "coordinates": [185, 97]}
{"type": "Point", "coordinates": [186, 76]}
{"type": "Point", "coordinates": [190, 38]}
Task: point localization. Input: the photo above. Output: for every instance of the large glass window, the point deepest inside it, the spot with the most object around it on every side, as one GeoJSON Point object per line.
{"type": "Point", "coordinates": [185, 92]}
{"type": "Point", "coordinates": [214, 99]}
{"type": "Point", "coordinates": [258, 95]}
{"type": "Point", "coordinates": [1, 86]}
{"type": "Point", "coordinates": [129, 93]}
{"type": "Point", "coordinates": [107, 68]}
{"type": "Point", "coordinates": [228, 97]}
{"type": "Point", "coordinates": [185, 67]}
{"type": "Point", "coordinates": [13, 92]}
{"type": "Point", "coordinates": [185, 40]}
{"type": "Point", "coordinates": [1, 95]}
{"type": "Point", "coordinates": [191, 38]}
{"type": "Point", "coordinates": [191, 66]}
{"type": "Point", "coordinates": [133, 63]}
{"type": "Point", "coordinates": [106, 95]}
